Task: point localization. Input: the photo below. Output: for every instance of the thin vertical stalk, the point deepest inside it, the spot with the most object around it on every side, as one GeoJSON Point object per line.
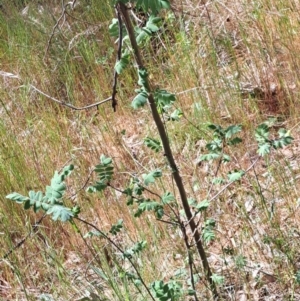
{"type": "Point", "coordinates": [167, 150]}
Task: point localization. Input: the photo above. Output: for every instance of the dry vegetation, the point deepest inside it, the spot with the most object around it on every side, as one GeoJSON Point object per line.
{"type": "Point", "coordinates": [229, 62]}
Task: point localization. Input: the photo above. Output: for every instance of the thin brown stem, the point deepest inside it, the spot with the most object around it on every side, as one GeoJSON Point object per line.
{"type": "Point", "coordinates": [93, 105]}
{"type": "Point", "coordinates": [119, 56]}
{"type": "Point", "coordinates": [168, 152]}
{"type": "Point", "coordinates": [120, 250]}
{"type": "Point", "coordinates": [20, 243]}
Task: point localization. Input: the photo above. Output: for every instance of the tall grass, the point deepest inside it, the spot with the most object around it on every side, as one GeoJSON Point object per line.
{"type": "Point", "coordinates": [237, 64]}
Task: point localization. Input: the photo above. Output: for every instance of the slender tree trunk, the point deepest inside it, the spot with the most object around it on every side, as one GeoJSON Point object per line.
{"type": "Point", "coordinates": [168, 152]}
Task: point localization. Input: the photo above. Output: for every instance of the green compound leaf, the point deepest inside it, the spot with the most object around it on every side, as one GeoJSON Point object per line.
{"type": "Point", "coordinates": [215, 145]}
{"type": "Point", "coordinates": [217, 279]}
{"type": "Point", "coordinates": [219, 132]}
{"type": "Point", "coordinates": [208, 234]}
{"type": "Point", "coordinates": [264, 149]}
{"type": "Point", "coordinates": [163, 99]}
{"type": "Point", "coordinates": [232, 130]}
{"type": "Point", "coordinates": [214, 127]}
{"type": "Point", "coordinates": [113, 28]}
{"type": "Point", "coordinates": [140, 100]}
{"type": "Point", "coordinates": [115, 229]}
{"type": "Point", "coordinates": [152, 23]}
{"type": "Point", "coordinates": [284, 139]}
{"type": "Point", "coordinates": [60, 212]}
{"type": "Point", "coordinates": [176, 115]}
{"type": "Point", "coordinates": [143, 77]}
{"type": "Point", "coordinates": [143, 34]}
{"type": "Point", "coordinates": [169, 291]}
{"type": "Point", "coordinates": [51, 202]}
{"type": "Point", "coordinates": [234, 141]}
{"type": "Point", "coordinates": [36, 200]}
{"type": "Point", "coordinates": [218, 180]}
{"type": "Point", "coordinates": [57, 188]}
{"type": "Point", "coordinates": [167, 198]}
{"type": "Point", "coordinates": [99, 186]}
{"type": "Point", "coordinates": [123, 62]}
{"type": "Point", "coordinates": [226, 158]}
{"type": "Point", "coordinates": [138, 188]}
{"type": "Point", "coordinates": [105, 160]}
{"type": "Point", "coordinates": [209, 157]}
{"type": "Point", "coordinates": [262, 133]}
{"type": "Point", "coordinates": [153, 144]}
{"type": "Point", "coordinates": [18, 198]}
{"type": "Point", "coordinates": [235, 175]}
{"type": "Point", "coordinates": [202, 206]}
{"type": "Point", "coordinates": [135, 249]}
{"type": "Point", "coordinates": [150, 177]}
{"type": "Point", "coordinates": [265, 144]}
{"type": "Point", "coordinates": [149, 205]}
{"type": "Point", "coordinates": [104, 171]}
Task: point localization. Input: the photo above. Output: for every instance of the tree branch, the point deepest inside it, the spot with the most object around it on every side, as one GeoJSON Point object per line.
{"type": "Point", "coordinates": [68, 104]}
{"type": "Point", "coordinates": [120, 250]}
{"type": "Point", "coordinates": [64, 6]}
{"type": "Point", "coordinates": [119, 55]}
{"type": "Point", "coordinates": [20, 243]}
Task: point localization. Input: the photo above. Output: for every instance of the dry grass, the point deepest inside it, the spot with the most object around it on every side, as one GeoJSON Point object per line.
{"type": "Point", "coordinates": [231, 63]}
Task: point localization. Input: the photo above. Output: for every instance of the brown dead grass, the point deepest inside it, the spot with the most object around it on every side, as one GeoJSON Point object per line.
{"type": "Point", "coordinates": [242, 65]}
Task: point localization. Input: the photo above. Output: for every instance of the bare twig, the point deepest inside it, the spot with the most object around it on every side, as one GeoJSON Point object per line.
{"type": "Point", "coordinates": [215, 175]}
{"type": "Point", "coordinates": [119, 55]}
{"type": "Point", "coordinates": [73, 196]}
{"type": "Point", "coordinates": [62, 16]}
{"type": "Point", "coordinates": [20, 243]}
{"type": "Point", "coordinates": [230, 183]}
{"type": "Point", "coordinates": [188, 90]}
{"type": "Point", "coordinates": [260, 192]}
{"type": "Point", "coordinates": [83, 21]}
{"type": "Point", "coordinates": [190, 258]}
{"type": "Point", "coordinates": [96, 104]}
{"type": "Point", "coordinates": [120, 250]}
{"type": "Point", "coordinates": [223, 189]}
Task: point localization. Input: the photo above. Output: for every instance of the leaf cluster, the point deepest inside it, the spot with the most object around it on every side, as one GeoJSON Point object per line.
{"type": "Point", "coordinates": [135, 191]}
{"type": "Point", "coordinates": [171, 290]}
{"type": "Point", "coordinates": [132, 277]}
{"type": "Point", "coordinates": [135, 249]}
{"type": "Point", "coordinates": [208, 233]}
{"type": "Point", "coordinates": [222, 137]}
{"type": "Point", "coordinates": [163, 99]}
{"type": "Point", "coordinates": [141, 34]}
{"type": "Point", "coordinates": [153, 144]}
{"type": "Point", "coordinates": [144, 33]}
{"type": "Point", "coordinates": [51, 202]}
{"type": "Point", "coordinates": [141, 98]}
{"type": "Point", "coordinates": [266, 144]}
{"type": "Point", "coordinates": [104, 172]}
{"type": "Point", "coordinates": [199, 207]}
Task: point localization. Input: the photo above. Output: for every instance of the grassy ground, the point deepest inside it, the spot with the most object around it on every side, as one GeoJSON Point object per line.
{"type": "Point", "coordinates": [228, 63]}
